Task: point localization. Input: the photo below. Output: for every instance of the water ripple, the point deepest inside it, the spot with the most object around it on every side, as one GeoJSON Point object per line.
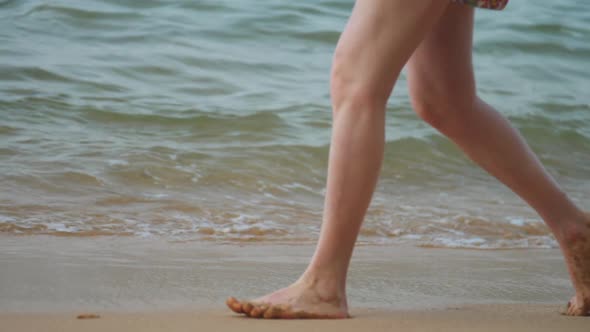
{"type": "Point", "coordinates": [211, 120]}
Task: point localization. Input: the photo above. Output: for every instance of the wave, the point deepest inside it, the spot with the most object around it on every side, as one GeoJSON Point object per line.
{"type": "Point", "coordinates": [210, 120]}
{"type": "Point", "coordinates": [463, 232]}
{"type": "Point", "coordinates": [81, 13]}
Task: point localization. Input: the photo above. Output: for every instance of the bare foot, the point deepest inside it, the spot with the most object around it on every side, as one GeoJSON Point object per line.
{"type": "Point", "coordinates": [303, 300]}
{"type": "Point", "coordinates": [576, 249]}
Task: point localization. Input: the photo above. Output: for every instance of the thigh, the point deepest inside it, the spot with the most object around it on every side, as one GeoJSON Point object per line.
{"type": "Point", "coordinates": [378, 39]}
{"type": "Point", "coordinates": [440, 69]}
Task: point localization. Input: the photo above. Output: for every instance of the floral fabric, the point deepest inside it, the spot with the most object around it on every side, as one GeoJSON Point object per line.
{"type": "Point", "coordinates": [489, 4]}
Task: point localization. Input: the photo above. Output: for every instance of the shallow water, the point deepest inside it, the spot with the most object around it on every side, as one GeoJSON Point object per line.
{"type": "Point", "coordinates": [211, 121]}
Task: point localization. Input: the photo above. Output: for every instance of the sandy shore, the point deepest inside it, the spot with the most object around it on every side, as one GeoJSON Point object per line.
{"type": "Point", "coordinates": [147, 285]}
{"type": "Point", "coordinates": [476, 318]}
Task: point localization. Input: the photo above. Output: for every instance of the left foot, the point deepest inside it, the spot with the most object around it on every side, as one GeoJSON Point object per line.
{"type": "Point", "coordinates": [303, 300]}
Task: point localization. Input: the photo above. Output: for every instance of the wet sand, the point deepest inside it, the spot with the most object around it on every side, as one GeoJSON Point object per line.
{"type": "Point", "coordinates": [477, 318]}
{"type": "Point", "coordinates": [151, 285]}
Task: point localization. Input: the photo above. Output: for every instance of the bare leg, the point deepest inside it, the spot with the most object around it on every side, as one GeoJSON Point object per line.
{"type": "Point", "coordinates": [443, 93]}
{"type": "Point", "coordinates": [379, 38]}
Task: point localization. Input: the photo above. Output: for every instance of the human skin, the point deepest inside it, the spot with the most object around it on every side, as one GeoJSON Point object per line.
{"type": "Point", "coordinates": [434, 38]}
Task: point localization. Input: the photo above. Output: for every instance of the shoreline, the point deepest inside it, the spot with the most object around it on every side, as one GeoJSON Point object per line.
{"type": "Point", "coordinates": [51, 274]}
{"type": "Point", "coordinates": [478, 318]}
{"type": "Point", "coordinates": [151, 285]}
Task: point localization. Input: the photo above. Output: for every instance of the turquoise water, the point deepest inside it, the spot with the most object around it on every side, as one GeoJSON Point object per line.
{"type": "Point", "coordinates": [210, 120]}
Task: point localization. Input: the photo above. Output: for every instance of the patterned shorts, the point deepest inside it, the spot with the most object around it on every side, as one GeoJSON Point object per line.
{"type": "Point", "coordinates": [489, 4]}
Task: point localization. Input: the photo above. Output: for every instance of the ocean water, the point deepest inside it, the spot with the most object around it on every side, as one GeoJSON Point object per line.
{"type": "Point", "coordinates": [210, 121]}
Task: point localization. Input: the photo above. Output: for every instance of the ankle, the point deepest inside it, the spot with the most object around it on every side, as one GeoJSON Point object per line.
{"type": "Point", "coordinates": [572, 230]}
{"type": "Point", "coordinates": [326, 285]}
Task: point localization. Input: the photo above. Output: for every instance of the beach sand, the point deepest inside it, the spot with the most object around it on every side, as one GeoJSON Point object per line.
{"type": "Point", "coordinates": [151, 285]}
{"type": "Point", "coordinates": [477, 318]}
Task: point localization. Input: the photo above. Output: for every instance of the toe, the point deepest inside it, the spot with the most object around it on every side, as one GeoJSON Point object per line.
{"type": "Point", "coordinates": [255, 313]}
{"type": "Point", "coordinates": [572, 311]}
{"type": "Point", "coordinates": [566, 311]}
{"type": "Point", "coordinates": [270, 312]}
{"type": "Point", "coordinates": [247, 308]}
{"type": "Point", "coordinates": [575, 309]}
{"type": "Point", "coordinates": [569, 309]}
{"type": "Point", "coordinates": [234, 305]}
{"type": "Point", "coordinates": [263, 309]}
{"type": "Point", "coordinates": [258, 310]}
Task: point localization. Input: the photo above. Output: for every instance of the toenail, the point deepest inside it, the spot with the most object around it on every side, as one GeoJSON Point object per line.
{"type": "Point", "coordinates": [269, 313]}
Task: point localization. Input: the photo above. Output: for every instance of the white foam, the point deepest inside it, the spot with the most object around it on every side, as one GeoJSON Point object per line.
{"type": "Point", "coordinates": [117, 162]}
{"type": "Point", "coordinates": [61, 227]}
{"type": "Point", "coordinates": [155, 195]}
{"type": "Point", "coordinates": [460, 243]}
{"type": "Point", "coordinates": [520, 221]}
{"type": "Point", "coordinates": [6, 219]}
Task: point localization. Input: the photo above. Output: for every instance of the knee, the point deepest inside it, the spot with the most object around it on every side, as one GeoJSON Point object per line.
{"type": "Point", "coordinates": [347, 93]}
{"type": "Point", "coordinates": [447, 112]}
{"type": "Point", "coordinates": [353, 88]}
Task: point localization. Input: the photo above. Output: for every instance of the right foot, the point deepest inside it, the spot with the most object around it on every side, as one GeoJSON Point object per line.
{"type": "Point", "coordinates": [575, 245]}
{"type": "Point", "coordinates": [304, 299]}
